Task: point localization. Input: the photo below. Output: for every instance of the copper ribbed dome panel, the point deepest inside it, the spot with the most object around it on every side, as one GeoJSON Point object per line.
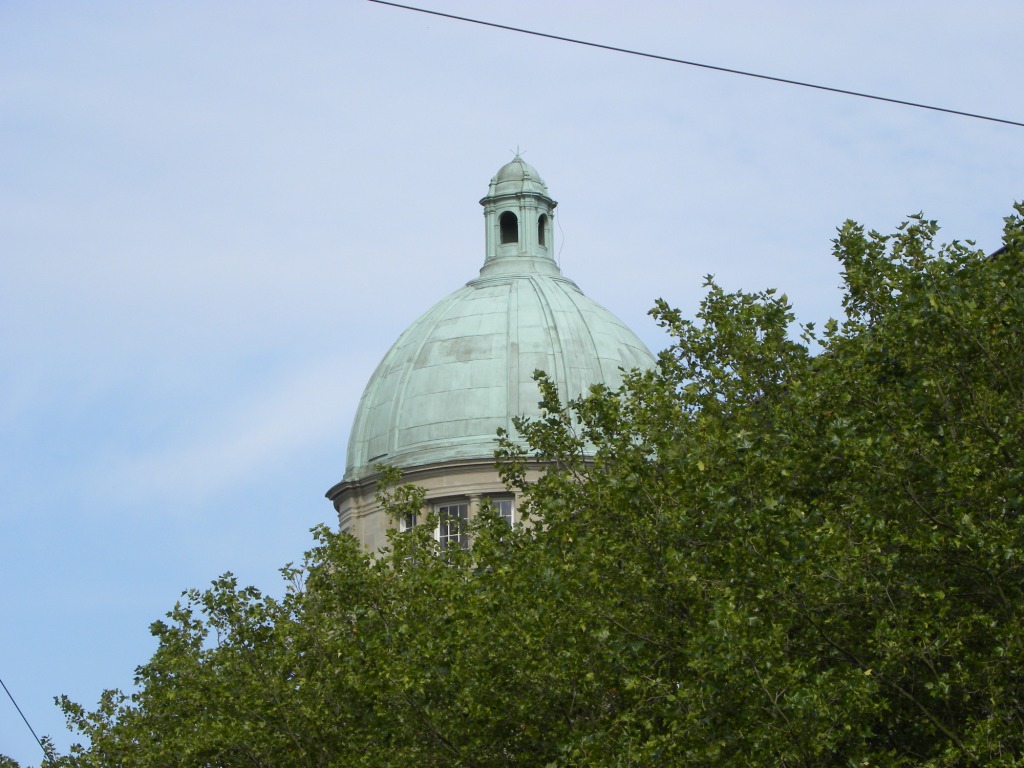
{"type": "Point", "coordinates": [465, 368]}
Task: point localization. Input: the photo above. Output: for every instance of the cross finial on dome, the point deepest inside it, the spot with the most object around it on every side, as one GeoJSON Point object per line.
{"type": "Point", "coordinates": [518, 153]}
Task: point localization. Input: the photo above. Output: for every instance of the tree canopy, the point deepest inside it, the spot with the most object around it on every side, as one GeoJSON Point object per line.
{"type": "Point", "coordinates": [782, 546]}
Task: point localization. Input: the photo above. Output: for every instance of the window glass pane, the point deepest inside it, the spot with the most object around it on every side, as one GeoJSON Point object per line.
{"type": "Point", "coordinates": [451, 524]}
{"type": "Point", "coordinates": [505, 509]}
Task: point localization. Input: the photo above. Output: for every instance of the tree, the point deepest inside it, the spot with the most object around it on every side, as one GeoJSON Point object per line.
{"type": "Point", "coordinates": [779, 547]}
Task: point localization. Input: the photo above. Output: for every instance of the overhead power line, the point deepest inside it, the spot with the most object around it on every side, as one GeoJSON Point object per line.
{"type": "Point", "coordinates": [727, 70]}
{"type": "Point", "coordinates": [31, 730]}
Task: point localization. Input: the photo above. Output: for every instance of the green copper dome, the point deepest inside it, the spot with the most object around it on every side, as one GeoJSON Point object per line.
{"type": "Point", "coordinates": [465, 368]}
{"type": "Point", "coordinates": [517, 176]}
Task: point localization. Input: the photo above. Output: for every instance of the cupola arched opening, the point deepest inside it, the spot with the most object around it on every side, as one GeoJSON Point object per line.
{"type": "Point", "coordinates": [542, 226]}
{"type": "Point", "coordinates": [509, 227]}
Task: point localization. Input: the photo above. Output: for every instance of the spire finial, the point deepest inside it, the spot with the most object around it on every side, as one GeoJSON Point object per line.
{"type": "Point", "coordinates": [518, 153]}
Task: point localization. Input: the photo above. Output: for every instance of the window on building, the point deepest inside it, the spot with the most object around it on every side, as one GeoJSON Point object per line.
{"type": "Point", "coordinates": [503, 507]}
{"type": "Point", "coordinates": [509, 225]}
{"type": "Point", "coordinates": [451, 525]}
{"type": "Point", "coordinates": [406, 522]}
{"type": "Point", "coordinates": [506, 509]}
{"type": "Point", "coordinates": [542, 226]}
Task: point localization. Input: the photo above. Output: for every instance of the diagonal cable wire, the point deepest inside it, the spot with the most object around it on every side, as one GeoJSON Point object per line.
{"type": "Point", "coordinates": [727, 70]}
{"type": "Point", "coordinates": [31, 730]}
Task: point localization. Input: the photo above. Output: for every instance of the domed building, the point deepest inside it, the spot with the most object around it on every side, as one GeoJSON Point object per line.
{"type": "Point", "coordinates": [465, 369]}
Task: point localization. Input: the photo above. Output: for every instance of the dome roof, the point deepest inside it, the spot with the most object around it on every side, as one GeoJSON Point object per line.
{"type": "Point", "coordinates": [517, 177]}
{"type": "Point", "coordinates": [465, 368]}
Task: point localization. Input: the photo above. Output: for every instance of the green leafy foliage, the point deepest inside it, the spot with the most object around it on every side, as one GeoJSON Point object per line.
{"type": "Point", "coordinates": [779, 547]}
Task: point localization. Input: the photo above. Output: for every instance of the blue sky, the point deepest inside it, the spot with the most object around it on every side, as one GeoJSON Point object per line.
{"type": "Point", "coordinates": [216, 217]}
